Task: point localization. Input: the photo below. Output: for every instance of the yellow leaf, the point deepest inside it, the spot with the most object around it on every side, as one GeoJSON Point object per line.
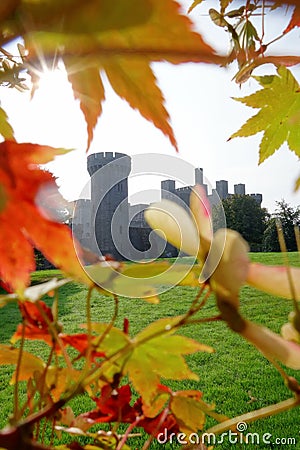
{"type": "Point", "coordinates": [188, 413]}
{"type": "Point", "coordinates": [29, 363]}
{"type": "Point", "coordinates": [6, 129]}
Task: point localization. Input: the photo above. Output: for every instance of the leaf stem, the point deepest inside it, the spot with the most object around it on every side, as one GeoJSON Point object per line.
{"type": "Point", "coordinates": [18, 369]}
{"type": "Point", "coordinates": [55, 336]}
{"type": "Point", "coordinates": [126, 435]}
{"type": "Point", "coordinates": [267, 411]}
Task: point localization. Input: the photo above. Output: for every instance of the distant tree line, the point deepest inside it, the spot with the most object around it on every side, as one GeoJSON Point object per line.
{"type": "Point", "coordinates": [256, 224]}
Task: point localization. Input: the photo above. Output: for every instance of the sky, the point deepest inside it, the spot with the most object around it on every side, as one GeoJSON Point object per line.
{"type": "Point", "coordinates": [203, 116]}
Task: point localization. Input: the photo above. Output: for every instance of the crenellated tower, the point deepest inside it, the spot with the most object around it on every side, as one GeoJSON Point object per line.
{"type": "Point", "coordinates": [109, 199]}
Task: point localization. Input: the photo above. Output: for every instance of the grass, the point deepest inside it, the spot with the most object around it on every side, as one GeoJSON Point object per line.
{"type": "Point", "coordinates": [236, 378]}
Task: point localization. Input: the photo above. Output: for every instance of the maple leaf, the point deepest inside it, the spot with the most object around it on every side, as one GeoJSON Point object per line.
{"type": "Point", "coordinates": [279, 115]}
{"type": "Point", "coordinates": [22, 223]}
{"type": "Point", "coordinates": [112, 406]}
{"type": "Point", "coordinates": [160, 424]}
{"type": "Point", "coordinates": [158, 353]}
{"type": "Point", "coordinates": [194, 4]}
{"type": "Point", "coordinates": [142, 280]}
{"type": "Point", "coordinates": [34, 293]}
{"type": "Point", "coordinates": [6, 129]}
{"type": "Point", "coordinates": [190, 410]}
{"type": "Point", "coordinates": [29, 363]}
{"type": "Point", "coordinates": [88, 88]}
{"type": "Point", "coordinates": [59, 380]}
{"type": "Point", "coordinates": [295, 19]}
{"type": "Point", "coordinates": [103, 35]}
{"type": "Point", "coordinates": [36, 327]}
{"type": "Point", "coordinates": [152, 354]}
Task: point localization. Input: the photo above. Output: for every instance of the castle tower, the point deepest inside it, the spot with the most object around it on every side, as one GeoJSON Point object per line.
{"type": "Point", "coordinates": [222, 189]}
{"type": "Point", "coordinates": [109, 199]}
{"type": "Point", "coordinates": [167, 189]}
{"type": "Point", "coordinates": [199, 176]}
{"type": "Point", "coordinates": [239, 189]}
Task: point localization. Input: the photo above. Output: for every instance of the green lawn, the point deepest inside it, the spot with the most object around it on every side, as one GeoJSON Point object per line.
{"type": "Point", "coordinates": [236, 378]}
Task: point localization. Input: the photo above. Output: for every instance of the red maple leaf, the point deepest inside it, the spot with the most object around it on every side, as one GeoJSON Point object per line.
{"type": "Point", "coordinates": [81, 342]}
{"type": "Point", "coordinates": [112, 406]}
{"type": "Point", "coordinates": [159, 423]}
{"type": "Point", "coordinates": [22, 225]}
{"type": "Point", "coordinates": [295, 19]}
{"type": "Point", "coordinates": [36, 324]}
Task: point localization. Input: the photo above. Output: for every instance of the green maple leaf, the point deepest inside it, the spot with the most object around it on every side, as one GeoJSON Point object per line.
{"type": "Point", "coordinates": [279, 115]}
{"type": "Point", "coordinates": [157, 355]}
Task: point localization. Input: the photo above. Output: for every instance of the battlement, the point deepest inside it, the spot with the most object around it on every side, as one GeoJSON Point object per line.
{"type": "Point", "coordinates": [98, 160]}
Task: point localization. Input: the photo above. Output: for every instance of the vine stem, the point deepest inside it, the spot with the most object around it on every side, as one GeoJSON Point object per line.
{"type": "Point", "coordinates": [111, 323]}
{"type": "Point", "coordinates": [126, 435]}
{"type": "Point", "coordinates": [89, 328]}
{"type": "Point", "coordinates": [18, 368]}
{"type": "Point", "coordinates": [255, 415]}
{"type": "Point", "coordinates": [55, 336]}
{"type": "Point", "coordinates": [182, 320]}
{"type": "Point", "coordinates": [284, 251]}
{"type": "Point", "coordinates": [162, 419]}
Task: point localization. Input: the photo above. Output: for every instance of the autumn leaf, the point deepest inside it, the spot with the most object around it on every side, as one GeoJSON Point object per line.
{"type": "Point", "coordinates": [25, 226]}
{"type": "Point", "coordinates": [142, 280]}
{"type": "Point", "coordinates": [103, 36]}
{"type": "Point", "coordinates": [134, 81]}
{"type": "Point", "coordinates": [295, 19]}
{"type": "Point", "coordinates": [59, 380]}
{"type": "Point", "coordinates": [158, 353]}
{"type": "Point", "coordinates": [6, 129]}
{"type": "Point", "coordinates": [190, 410]}
{"type": "Point", "coordinates": [34, 293]}
{"type": "Point", "coordinates": [112, 406]}
{"type": "Point", "coordinates": [279, 115]}
{"type": "Point", "coordinates": [29, 363]}
{"type": "Point", "coordinates": [36, 324]}
{"type": "Point", "coordinates": [194, 4]}
{"type": "Point", "coordinates": [88, 89]}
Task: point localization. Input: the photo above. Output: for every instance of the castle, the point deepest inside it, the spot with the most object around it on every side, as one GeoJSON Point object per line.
{"type": "Point", "coordinates": [108, 224]}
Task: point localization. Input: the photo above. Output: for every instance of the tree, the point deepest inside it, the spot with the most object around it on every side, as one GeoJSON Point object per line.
{"type": "Point", "coordinates": [245, 215]}
{"type": "Point", "coordinates": [288, 217]}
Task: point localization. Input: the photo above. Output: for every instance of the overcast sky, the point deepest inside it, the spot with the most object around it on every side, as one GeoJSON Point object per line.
{"type": "Point", "coordinates": [203, 115]}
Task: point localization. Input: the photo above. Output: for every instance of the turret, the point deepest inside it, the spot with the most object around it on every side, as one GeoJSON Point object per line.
{"type": "Point", "coordinates": [109, 198]}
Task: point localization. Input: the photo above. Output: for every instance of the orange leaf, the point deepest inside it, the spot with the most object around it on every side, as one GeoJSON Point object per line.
{"type": "Point", "coordinates": [88, 89]}
{"type": "Point", "coordinates": [22, 224]}
{"type": "Point", "coordinates": [104, 34]}
{"type": "Point", "coordinates": [133, 80]}
{"type": "Point", "coordinates": [295, 20]}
